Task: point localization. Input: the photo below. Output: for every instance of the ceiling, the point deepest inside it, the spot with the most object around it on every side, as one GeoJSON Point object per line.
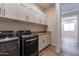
{"type": "Point", "coordinates": [69, 7]}
{"type": "Point", "coordinates": [45, 5]}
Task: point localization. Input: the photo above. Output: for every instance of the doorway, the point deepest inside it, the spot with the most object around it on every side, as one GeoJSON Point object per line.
{"type": "Point", "coordinates": [69, 36]}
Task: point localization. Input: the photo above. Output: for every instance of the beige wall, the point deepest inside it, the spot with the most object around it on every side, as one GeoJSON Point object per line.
{"type": "Point", "coordinates": [52, 24]}
{"type": "Point", "coordinates": [14, 25]}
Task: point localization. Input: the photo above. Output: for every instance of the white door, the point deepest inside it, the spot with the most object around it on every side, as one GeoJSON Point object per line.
{"type": "Point", "coordinates": [22, 12]}
{"type": "Point", "coordinates": [0, 9]}
{"type": "Point", "coordinates": [10, 10]}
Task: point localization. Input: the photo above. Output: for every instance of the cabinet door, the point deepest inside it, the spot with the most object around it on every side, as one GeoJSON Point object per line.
{"type": "Point", "coordinates": [31, 16]}
{"type": "Point", "coordinates": [42, 41]}
{"type": "Point", "coordinates": [10, 10]}
{"type": "Point", "coordinates": [22, 12]}
{"type": "Point", "coordinates": [47, 39]}
{"type": "Point", "coordinates": [42, 19]}
{"type": "Point", "coordinates": [46, 20]}
{"type": "Point", "coordinates": [41, 45]}
{"type": "Point", "coordinates": [0, 9]}
{"type": "Point", "coordinates": [36, 17]}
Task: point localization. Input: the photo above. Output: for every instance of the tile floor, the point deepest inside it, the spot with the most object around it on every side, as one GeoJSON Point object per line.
{"type": "Point", "coordinates": [49, 51]}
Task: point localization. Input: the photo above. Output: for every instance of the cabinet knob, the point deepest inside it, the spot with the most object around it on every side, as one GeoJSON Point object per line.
{"type": "Point", "coordinates": [27, 17]}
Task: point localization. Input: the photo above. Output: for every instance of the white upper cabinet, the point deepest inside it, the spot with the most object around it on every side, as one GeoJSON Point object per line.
{"type": "Point", "coordinates": [30, 13]}
{"type": "Point", "coordinates": [10, 10]}
{"type": "Point", "coordinates": [46, 20]}
{"type": "Point", "coordinates": [31, 16]}
{"type": "Point", "coordinates": [22, 12]}
{"type": "Point", "coordinates": [0, 9]}
{"type": "Point", "coordinates": [43, 19]}
{"type": "Point", "coordinates": [36, 18]}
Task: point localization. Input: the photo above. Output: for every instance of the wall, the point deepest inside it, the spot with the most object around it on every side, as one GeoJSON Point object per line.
{"type": "Point", "coordinates": [52, 24]}
{"type": "Point", "coordinates": [17, 25]}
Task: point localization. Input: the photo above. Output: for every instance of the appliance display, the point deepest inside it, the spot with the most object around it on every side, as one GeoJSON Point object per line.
{"type": "Point", "coordinates": [28, 43]}
{"type": "Point", "coordinates": [9, 44]}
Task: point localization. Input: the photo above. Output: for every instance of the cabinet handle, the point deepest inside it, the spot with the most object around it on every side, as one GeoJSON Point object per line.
{"type": "Point", "coordinates": [0, 11]}
{"type": "Point", "coordinates": [4, 54]}
{"type": "Point", "coordinates": [18, 43]}
{"type": "Point", "coordinates": [40, 21]}
{"type": "Point", "coordinates": [27, 17]}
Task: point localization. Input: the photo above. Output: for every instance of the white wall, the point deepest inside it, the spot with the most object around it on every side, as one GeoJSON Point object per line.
{"type": "Point", "coordinates": [53, 25]}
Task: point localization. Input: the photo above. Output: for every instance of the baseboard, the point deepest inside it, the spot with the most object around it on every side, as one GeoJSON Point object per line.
{"type": "Point", "coordinates": [56, 50]}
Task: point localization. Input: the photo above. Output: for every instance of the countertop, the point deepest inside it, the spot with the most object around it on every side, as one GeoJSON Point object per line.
{"type": "Point", "coordinates": [42, 33]}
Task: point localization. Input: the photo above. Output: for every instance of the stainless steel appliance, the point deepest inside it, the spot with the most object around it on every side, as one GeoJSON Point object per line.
{"type": "Point", "coordinates": [28, 43]}
{"type": "Point", "coordinates": [9, 44]}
